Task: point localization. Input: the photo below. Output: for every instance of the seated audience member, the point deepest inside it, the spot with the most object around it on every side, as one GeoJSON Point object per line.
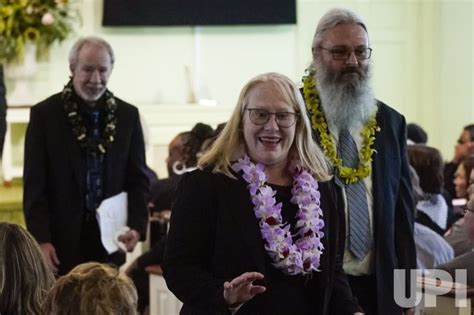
{"type": "Point", "coordinates": [92, 289]}
{"type": "Point", "coordinates": [466, 260]}
{"type": "Point", "coordinates": [416, 134]}
{"type": "Point", "coordinates": [431, 248]}
{"type": "Point", "coordinates": [183, 154]}
{"type": "Point", "coordinates": [182, 158]}
{"type": "Point", "coordinates": [461, 177]}
{"type": "Point", "coordinates": [463, 148]}
{"type": "Point", "coordinates": [456, 236]}
{"type": "Point", "coordinates": [25, 277]}
{"type": "Point", "coordinates": [432, 209]}
{"type": "Point", "coordinates": [206, 145]}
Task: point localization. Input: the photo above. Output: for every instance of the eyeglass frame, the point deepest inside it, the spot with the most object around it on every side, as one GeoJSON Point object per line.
{"type": "Point", "coordinates": [296, 116]}
{"type": "Point", "coordinates": [331, 50]}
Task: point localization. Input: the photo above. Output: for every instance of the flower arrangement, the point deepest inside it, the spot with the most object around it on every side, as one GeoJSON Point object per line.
{"type": "Point", "coordinates": [39, 22]}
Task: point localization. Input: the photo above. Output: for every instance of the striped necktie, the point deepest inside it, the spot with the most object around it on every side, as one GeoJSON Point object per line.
{"type": "Point", "coordinates": [360, 239]}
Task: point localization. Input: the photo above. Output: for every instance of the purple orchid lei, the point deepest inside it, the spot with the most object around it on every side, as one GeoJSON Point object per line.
{"type": "Point", "coordinates": [303, 255]}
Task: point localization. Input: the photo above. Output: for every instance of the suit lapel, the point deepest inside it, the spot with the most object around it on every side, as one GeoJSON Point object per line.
{"type": "Point", "coordinates": [241, 210]}
{"type": "Point", "coordinates": [71, 146]}
{"type": "Point", "coordinates": [378, 166]}
{"type": "Point", "coordinates": [78, 162]}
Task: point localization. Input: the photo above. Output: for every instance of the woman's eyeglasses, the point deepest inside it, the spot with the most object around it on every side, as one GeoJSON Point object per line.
{"type": "Point", "coordinates": [261, 116]}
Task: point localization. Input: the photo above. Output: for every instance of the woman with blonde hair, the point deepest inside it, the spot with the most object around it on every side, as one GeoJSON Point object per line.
{"type": "Point", "coordinates": [256, 228]}
{"type": "Point", "coordinates": [25, 278]}
{"type": "Point", "coordinates": [92, 289]}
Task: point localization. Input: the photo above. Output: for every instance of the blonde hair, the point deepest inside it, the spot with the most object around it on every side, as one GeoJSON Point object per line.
{"type": "Point", "coordinates": [230, 144]}
{"type": "Point", "coordinates": [25, 277]}
{"type": "Point", "coordinates": [92, 289]}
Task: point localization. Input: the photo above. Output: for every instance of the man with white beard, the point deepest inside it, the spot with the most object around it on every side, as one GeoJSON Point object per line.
{"type": "Point", "coordinates": [365, 141]}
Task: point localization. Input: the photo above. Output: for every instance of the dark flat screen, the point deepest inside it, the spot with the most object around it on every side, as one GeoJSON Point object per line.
{"type": "Point", "coordinates": [198, 12]}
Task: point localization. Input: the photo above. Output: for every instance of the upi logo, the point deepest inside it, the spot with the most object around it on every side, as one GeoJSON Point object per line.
{"type": "Point", "coordinates": [425, 285]}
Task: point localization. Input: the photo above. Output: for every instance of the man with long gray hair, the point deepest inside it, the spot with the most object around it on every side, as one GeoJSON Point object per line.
{"type": "Point", "coordinates": [365, 141]}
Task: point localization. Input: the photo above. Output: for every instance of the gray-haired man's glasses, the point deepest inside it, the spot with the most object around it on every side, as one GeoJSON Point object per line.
{"type": "Point", "coordinates": [344, 53]}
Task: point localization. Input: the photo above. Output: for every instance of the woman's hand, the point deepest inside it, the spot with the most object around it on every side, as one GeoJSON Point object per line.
{"type": "Point", "coordinates": [241, 289]}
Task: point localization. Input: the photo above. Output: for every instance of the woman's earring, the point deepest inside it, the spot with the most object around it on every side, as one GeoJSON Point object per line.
{"type": "Point", "coordinates": [179, 168]}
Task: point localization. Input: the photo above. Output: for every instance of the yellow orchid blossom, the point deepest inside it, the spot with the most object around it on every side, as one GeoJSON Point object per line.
{"type": "Point", "coordinates": [318, 121]}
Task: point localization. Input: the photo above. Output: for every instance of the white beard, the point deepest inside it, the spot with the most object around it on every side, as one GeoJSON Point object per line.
{"type": "Point", "coordinates": [346, 99]}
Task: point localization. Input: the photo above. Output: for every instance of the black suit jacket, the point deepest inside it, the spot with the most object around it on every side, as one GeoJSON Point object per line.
{"type": "Point", "coordinates": [3, 111]}
{"type": "Point", "coordinates": [55, 171]}
{"type": "Point", "coordinates": [393, 208]}
{"type": "Point", "coordinates": [214, 237]}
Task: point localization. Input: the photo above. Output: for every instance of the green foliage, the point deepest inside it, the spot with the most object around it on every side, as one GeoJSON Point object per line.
{"type": "Point", "coordinates": [40, 22]}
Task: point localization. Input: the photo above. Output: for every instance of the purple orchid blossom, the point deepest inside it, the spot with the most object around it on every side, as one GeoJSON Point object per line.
{"type": "Point", "coordinates": [303, 255]}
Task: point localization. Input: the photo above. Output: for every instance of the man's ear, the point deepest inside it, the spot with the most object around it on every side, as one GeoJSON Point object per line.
{"type": "Point", "coordinates": [313, 52]}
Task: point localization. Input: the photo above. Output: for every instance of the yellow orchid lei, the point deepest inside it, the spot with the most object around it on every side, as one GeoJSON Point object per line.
{"type": "Point", "coordinates": [318, 121]}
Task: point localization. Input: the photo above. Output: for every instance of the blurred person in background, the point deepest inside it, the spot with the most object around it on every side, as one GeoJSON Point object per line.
{"type": "Point", "coordinates": [432, 208]}
{"type": "Point", "coordinates": [92, 289]}
{"type": "Point", "coordinates": [463, 148]}
{"type": "Point", "coordinates": [431, 248]}
{"type": "Point", "coordinates": [183, 153]}
{"type": "Point", "coordinates": [466, 260]}
{"type": "Point", "coordinates": [416, 134]}
{"type": "Point", "coordinates": [25, 277]}
{"type": "Point", "coordinates": [456, 236]}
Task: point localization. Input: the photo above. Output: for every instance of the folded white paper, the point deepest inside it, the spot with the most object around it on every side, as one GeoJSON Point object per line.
{"type": "Point", "coordinates": [112, 218]}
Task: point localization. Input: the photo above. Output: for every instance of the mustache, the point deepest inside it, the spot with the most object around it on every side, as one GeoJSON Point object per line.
{"type": "Point", "coordinates": [352, 69]}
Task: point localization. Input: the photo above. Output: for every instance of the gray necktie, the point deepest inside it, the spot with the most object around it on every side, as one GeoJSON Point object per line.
{"type": "Point", "coordinates": [360, 239]}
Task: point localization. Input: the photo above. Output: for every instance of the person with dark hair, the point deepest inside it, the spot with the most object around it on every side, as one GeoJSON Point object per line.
{"type": "Point", "coordinates": [431, 248]}
{"type": "Point", "coordinates": [3, 114]}
{"type": "Point", "coordinates": [461, 177]}
{"type": "Point", "coordinates": [84, 145]}
{"type": "Point", "coordinates": [416, 134]}
{"type": "Point", "coordinates": [463, 148]}
{"type": "Point", "coordinates": [183, 154]}
{"type": "Point", "coordinates": [432, 209]}
{"type": "Point", "coordinates": [256, 228]}
{"type": "Point", "coordinates": [206, 145]}
{"type": "Point", "coordinates": [25, 277]}
{"type": "Point", "coordinates": [456, 235]}
{"type": "Point", "coordinates": [365, 142]}
{"type": "Point", "coordinates": [465, 261]}
{"type": "Point", "coordinates": [92, 289]}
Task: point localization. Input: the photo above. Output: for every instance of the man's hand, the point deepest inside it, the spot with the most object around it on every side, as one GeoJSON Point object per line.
{"type": "Point", "coordinates": [49, 253]}
{"type": "Point", "coordinates": [130, 239]}
{"type": "Point", "coordinates": [241, 289]}
{"type": "Point", "coordinates": [409, 311]}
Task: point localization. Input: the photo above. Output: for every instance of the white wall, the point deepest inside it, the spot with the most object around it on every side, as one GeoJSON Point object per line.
{"type": "Point", "coordinates": [423, 51]}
